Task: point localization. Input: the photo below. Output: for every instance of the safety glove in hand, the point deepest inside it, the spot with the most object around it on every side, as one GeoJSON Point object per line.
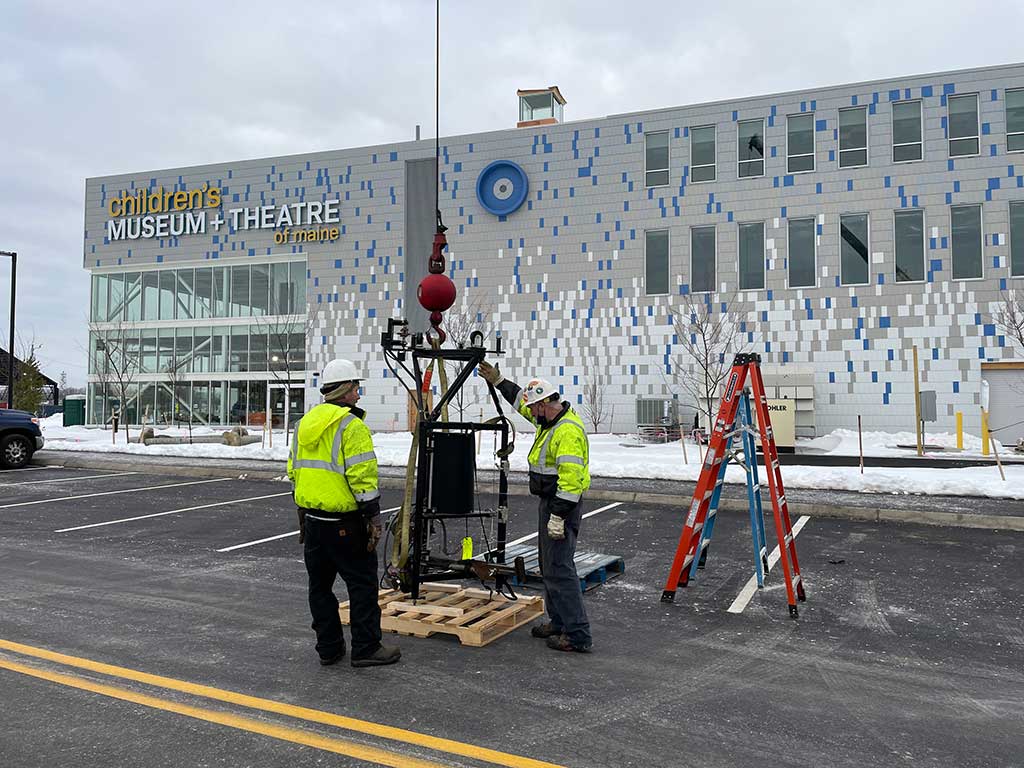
{"type": "Point", "coordinates": [490, 373]}
{"type": "Point", "coordinates": [374, 529]}
{"type": "Point", "coordinates": [556, 527]}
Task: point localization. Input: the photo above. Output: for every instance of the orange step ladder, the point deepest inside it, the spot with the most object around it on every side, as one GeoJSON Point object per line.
{"type": "Point", "coordinates": [746, 371]}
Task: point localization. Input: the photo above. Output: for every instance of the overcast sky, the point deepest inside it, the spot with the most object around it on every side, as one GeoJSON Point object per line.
{"type": "Point", "coordinates": [95, 88]}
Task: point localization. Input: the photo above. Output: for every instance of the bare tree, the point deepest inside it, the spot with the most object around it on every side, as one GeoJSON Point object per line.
{"type": "Point", "coordinates": [174, 370]}
{"type": "Point", "coordinates": [1010, 317]}
{"type": "Point", "coordinates": [459, 324]}
{"type": "Point", "coordinates": [287, 331]}
{"type": "Point", "coordinates": [593, 405]}
{"type": "Point", "coordinates": [120, 359]}
{"type": "Point", "coordinates": [710, 334]}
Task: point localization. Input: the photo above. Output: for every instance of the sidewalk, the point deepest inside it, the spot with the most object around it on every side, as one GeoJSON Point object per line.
{"type": "Point", "coordinates": [953, 511]}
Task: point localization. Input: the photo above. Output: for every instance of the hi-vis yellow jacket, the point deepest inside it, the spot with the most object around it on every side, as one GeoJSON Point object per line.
{"type": "Point", "coordinates": [560, 456]}
{"type": "Point", "coordinates": [332, 462]}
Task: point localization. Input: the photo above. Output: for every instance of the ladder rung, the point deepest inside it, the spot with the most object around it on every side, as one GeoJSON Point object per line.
{"type": "Point", "coordinates": [788, 539]}
{"type": "Point", "coordinates": [796, 580]}
{"type": "Point", "coordinates": [782, 500]}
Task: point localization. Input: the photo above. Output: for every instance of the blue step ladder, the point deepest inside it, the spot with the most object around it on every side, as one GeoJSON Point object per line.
{"type": "Point", "coordinates": [746, 457]}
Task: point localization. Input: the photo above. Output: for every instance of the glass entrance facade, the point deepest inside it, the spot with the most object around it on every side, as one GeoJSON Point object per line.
{"type": "Point", "coordinates": [201, 344]}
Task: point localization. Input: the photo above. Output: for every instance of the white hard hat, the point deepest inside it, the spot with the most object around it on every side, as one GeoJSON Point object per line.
{"type": "Point", "coordinates": [338, 371]}
{"type": "Point", "coordinates": [537, 390]}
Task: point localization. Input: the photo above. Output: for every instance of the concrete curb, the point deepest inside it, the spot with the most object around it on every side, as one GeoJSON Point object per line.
{"type": "Point", "coordinates": [845, 512]}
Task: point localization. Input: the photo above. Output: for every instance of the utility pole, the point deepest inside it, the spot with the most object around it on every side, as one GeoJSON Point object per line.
{"type": "Point", "coordinates": [10, 346]}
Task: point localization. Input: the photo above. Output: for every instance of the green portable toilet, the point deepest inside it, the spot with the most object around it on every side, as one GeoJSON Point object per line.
{"type": "Point", "coordinates": [74, 410]}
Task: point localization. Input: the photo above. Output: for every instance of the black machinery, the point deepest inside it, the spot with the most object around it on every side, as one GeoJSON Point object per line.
{"type": "Point", "coordinates": [445, 483]}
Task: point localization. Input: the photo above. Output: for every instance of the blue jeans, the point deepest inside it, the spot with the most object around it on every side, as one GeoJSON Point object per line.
{"type": "Point", "coordinates": [563, 596]}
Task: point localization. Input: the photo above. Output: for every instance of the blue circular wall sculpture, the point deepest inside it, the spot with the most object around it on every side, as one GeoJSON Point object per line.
{"type": "Point", "coordinates": [501, 187]}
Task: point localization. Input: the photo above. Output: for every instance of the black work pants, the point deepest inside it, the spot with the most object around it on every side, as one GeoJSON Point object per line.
{"type": "Point", "coordinates": [339, 549]}
{"type": "Point", "coordinates": [563, 596]}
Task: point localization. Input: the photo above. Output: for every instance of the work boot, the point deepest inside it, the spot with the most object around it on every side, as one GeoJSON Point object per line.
{"type": "Point", "coordinates": [563, 643]}
{"type": "Point", "coordinates": [326, 661]}
{"type": "Point", "coordinates": [385, 654]}
{"type": "Point", "coordinates": [545, 630]}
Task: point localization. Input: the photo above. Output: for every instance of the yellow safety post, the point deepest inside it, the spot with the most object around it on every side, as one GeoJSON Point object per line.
{"type": "Point", "coordinates": [959, 430]}
{"type": "Point", "coordinates": [917, 408]}
{"type": "Point", "coordinates": [984, 433]}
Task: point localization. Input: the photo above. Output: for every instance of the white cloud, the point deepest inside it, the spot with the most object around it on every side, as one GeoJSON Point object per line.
{"type": "Point", "coordinates": [90, 89]}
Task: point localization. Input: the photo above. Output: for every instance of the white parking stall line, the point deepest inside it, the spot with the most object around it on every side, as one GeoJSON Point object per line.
{"type": "Point", "coordinates": [533, 535]}
{"type": "Point", "coordinates": [70, 479]}
{"type": "Point", "coordinates": [282, 536]}
{"type": "Point", "coordinates": [171, 512]}
{"type": "Point", "coordinates": [112, 493]}
{"type": "Point", "coordinates": [751, 586]}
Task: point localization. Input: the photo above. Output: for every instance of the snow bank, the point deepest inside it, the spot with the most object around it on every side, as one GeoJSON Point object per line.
{"type": "Point", "coordinates": [624, 456]}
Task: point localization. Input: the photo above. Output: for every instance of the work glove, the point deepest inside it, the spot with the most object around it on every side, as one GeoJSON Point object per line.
{"type": "Point", "coordinates": [374, 530]}
{"type": "Point", "coordinates": [556, 527]}
{"type": "Point", "coordinates": [302, 524]}
{"type": "Point", "coordinates": [490, 373]}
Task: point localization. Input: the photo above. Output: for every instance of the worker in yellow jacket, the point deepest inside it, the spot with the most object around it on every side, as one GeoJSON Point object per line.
{"type": "Point", "coordinates": [559, 474]}
{"type": "Point", "coordinates": [334, 471]}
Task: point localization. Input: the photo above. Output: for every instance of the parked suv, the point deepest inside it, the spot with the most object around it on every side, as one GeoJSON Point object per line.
{"type": "Point", "coordinates": [20, 437]}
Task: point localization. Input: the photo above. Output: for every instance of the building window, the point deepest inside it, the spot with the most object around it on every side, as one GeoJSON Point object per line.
{"type": "Point", "coordinates": [853, 137]}
{"type": "Point", "coordinates": [750, 148]}
{"type": "Point", "coordinates": [702, 259]}
{"type": "Point", "coordinates": [965, 223]}
{"type": "Point", "coordinates": [854, 256]}
{"type": "Point", "coordinates": [133, 296]}
{"type": "Point", "coordinates": [906, 131]}
{"type": "Point", "coordinates": [100, 286]}
{"type": "Point", "coordinates": [909, 246]}
{"type": "Point", "coordinates": [1017, 239]}
{"type": "Point", "coordinates": [656, 262]}
{"type": "Point", "coordinates": [656, 157]}
{"type": "Point", "coordinates": [167, 284]}
{"type": "Point", "coordinates": [963, 125]}
{"type": "Point", "coordinates": [802, 270]}
{"type": "Point", "coordinates": [702, 153]}
{"type": "Point", "coordinates": [151, 296]}
{"type": "Point", "coordinates": [1015, 120]}
{"type": "Point", "coordinates": [800, 143]}
{"type": "Point", "coordinates": [751, 252]}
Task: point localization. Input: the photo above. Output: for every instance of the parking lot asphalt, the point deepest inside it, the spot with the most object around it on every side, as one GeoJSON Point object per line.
{"type": "Point", "coordinates": [161, 619]}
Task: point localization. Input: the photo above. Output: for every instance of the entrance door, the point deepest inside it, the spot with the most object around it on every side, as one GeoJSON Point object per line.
{"type": "Point", "coordinates": [287, 405]}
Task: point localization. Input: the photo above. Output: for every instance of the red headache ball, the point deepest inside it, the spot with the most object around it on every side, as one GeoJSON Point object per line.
{"type": "Point", "coordinates": [436, 293]}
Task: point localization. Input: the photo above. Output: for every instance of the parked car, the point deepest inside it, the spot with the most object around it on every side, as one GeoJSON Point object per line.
{"type": "Point", "coordinates": [20, 437]}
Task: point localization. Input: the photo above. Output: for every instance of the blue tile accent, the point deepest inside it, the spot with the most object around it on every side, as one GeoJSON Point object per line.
{"type": "Point", "coordinates": [948, 88]}
{"type": "Point", "coordinates": [926, 91]}
{"type": "Point", "coordinates": [735, 115]}
{"type": "Point", "coordinates": [821, 125]}
{"type": "Point", "coordinates": [787, 181]}
{"type": "Point", "coordinates": [849, 185]}
{"type": "Point", "coordinates": [956, 387]}
{"type": "Point", "coordinates": [817, 188]}
{"type": "Point", "coordinates": [894, 95]}
{"type": "Point", "coordinates": [885, 322]}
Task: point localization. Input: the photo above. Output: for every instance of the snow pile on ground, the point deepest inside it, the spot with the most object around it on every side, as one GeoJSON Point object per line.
{"type": "Point", "coordinates": [617, 456]}
{"type": "Point", "coordinates": [843, 442]}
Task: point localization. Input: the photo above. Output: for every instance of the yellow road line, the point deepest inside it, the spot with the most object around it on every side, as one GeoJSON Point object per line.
{"type": "Point", "coordinates": [269, 705]}
{"type": "Point", "coordinates": [294, 735]}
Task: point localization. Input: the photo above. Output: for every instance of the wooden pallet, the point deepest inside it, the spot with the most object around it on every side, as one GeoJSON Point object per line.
{"type": "Point", "coordinates": [476, 616]}
{"type": "Point", "coordinates": [593, 568]}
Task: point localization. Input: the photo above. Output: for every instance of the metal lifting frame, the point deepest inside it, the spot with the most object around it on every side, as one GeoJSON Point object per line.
{"type": "Point", "coordinates": [399, 346]}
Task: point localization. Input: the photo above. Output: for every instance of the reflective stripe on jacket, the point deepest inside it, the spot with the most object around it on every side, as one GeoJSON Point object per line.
{"type": "Point", "coordinates": [560, 456]}
{"type": "Point", "coordinates": [332, 463]}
